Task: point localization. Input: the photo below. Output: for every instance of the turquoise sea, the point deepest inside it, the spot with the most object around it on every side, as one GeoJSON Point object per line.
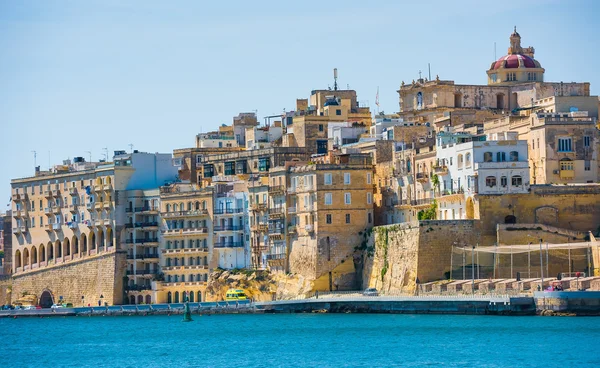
{"type": "Point", "coordinates": [301, 340]}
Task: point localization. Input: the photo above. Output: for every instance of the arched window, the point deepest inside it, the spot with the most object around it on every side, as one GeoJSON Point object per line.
{"type": "Point", "coordinates": [18, 260]}
{"type": "Point", "coordinates": [168, 207]}
{"type": "Point", "coordinates": [517, 181]}
{"type": "Point", "coordinates": [500, 156]}
{"type": "Point", "coordinates": [488, 157]}
{"type": "Point", "coordinates": [189, 206]}
{"type": "Point", "coordinates": [514, 156]}
{"type": "Point", "coordinates": [148, 299]}
{"type": "Point", "coordinates": [503, 181]}
{"type": "Point", "coordinates": [459, 161]}
{"type": "Point", "coordinates": [175, 207]}
{"type": "Point", "coordinates": [169, 297]}
{"type": "Point", "coordinates": [168, 262]}
{"type": "Point", "coordinates": [191, 297]}
{"type": "Point", "coordinates": [468, 159]}
{"type": "Point", "coordinates": [203, 205]}
{"type": "Point", "coordinates": [490, 181]}
{"type": "Point", "coordinates": [199, 296]}
{"type": "Point", "coordinates": [25, 257]}
{"type": "Point", "coordinates": [177, 297]}
{"type": "Point", "coordinates": [566, 164]}
{"type": "Point", "coordinates": [169, 278]}
{"type": "Point", "coordinates": [182, 278]}
{"type": "Point", "coordinates": [181, 206]}
{"type": "Point", "coordinates": [197, 206]}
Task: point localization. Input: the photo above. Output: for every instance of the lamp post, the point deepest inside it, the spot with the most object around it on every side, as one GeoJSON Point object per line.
{"type": "Point", "coordinates": [464, 262]}
{"type": "Point", "coordinates": [529, 260]}
{"type": "Point", "coordinates": [541, 265]}
{"type": "Point", "coordinates": [547, 262]}
{"type": "Point", "coordinates": [473, 269]}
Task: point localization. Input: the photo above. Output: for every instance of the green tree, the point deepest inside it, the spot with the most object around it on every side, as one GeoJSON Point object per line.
{"type": "Point", "coordinates": [435, 180]}
{"type": "Point", "coordinates": [430, 213]}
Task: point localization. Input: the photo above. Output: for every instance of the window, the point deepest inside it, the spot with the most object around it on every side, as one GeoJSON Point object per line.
{"type": "Point", "coordinates": [346, 178]}
{"type": "Point", "coordinates": [503, 181]}
{"type": "Point", "coordinates": [33, 222]}
{"type": "Point", "coordinates": [320, 127]}
{"type": "Point", "coordinates": [327, 179]}
{"type": "Point", "coordinates": [338, 112]}
{"type": "Point", "coordinates": [587, 165]}
{"type": "Point", "coordinates": [369, 198]}
{"type": "Point", "coordinates": [468, 160]}
{"type": "Point", "coordinates": [517, 181]}
{"type": "Point", "coordinates": [368, 178]}
{"type": "Point", "coordinates": [493, 77]}
{"type": "Point", "coordinates": [487, 157]}
{"type": "Point", "coordinates": [328, 218]}
{"type": "Point", "coordinates": [459, 161]}
{"type": "Point", "coordinates": [586, 141]}
{"type": "Point", "coordinates": [370, 217]}
{"type": "Point", "coordinates": [566, 165]}
{"type": "Point", "coordinates": [564, 145]}
{"type": "Point", "coordinates": [500, 156]}
{"type": "Point", "coordinates": [347, 218]}
{"type": "Point", "coordinates": [41, 221]}
{"type": "Point", "coordinates": [490, 181]}
{"type": "Point", "coordinates": [347, 198]}
{"type": "Point", "coordinates": [328, 199]}
{"type": "Point", "coordinates": [532, 144]}
{"type": "Point", "coordinates": [514, 156]}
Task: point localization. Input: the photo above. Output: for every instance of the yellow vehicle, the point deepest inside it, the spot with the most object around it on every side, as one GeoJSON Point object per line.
{"type": "Point", "coordinates": [235, 295]}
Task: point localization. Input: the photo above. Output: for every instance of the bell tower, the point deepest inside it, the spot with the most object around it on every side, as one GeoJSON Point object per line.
{"type": "Point", "coordinates": [515, 43]}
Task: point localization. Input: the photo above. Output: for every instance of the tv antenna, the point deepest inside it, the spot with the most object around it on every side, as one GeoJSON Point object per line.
{"type": "Point", "coordinates": [90, 153]}
{"type": "Point", "coordinates": [34, 158]}
{"type": "Point", "coordinates": [335, 79]}
{"type": "Point", "coordinates": [105, 154]}
{"type": "Point", "coordinates": [131, 147]}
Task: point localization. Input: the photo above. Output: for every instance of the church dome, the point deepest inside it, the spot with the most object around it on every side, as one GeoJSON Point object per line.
{"type": "Point", "coordinates": [513, 61]}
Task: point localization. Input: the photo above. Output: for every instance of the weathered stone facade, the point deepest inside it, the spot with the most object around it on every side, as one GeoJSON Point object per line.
{"type": "Point", "coordinates": [90, 278]}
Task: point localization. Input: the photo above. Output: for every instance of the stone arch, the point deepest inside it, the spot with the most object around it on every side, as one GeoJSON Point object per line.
{"type": "Point", "coordinates": [470, 210]}
{"type": "Point", "coordinates": [510, 219]}
{"type": "Point", "coordinates": [197, 206]}
{"type": "Point", "coordinates": [177, 297]}
{"type": "Point", "coordinates": [169, 297]}
{"type": "Point", "coordinates": [58, 249]}
{"type": "Point", "coordinates": [101, 239]}
{"type": "Point", "coordinates": [25, 257]}
{"type": "Point", "coordinates": [148, 299]}
{"type": "Point", "coordinates": [199, 297]}
{"type": "Point", "coordinates": [132, 299]}
{"type": "Point", "coordinates": [75, 245]}
{"type": "Point", "coordinates": [546, 215]}
{"type": "Point", "coordinates": [140, 299]}
{"type": "Point", "coordinates": [191, 296]}
{"type": "Point", "coordinates": [34, 255]}
{"type": "Point", "coordinates": [50, 251]}
{"type": "Point", "coordinates": [46, 299]}
{"type": "Point", "coordinates": [42, 252]}
{"type": "Point", "coordinates": [83, 242]}
{"type": "Point", "coordinates": [500, 101]}
{"type": "Point", "coordinates": [92, 241]}
{"type": "Point", "coordinates": [18, 259]}
{"type": "Point", "coordinates": [189, 206]}
{"type": "Point", "coordinates": [109, 237]}
{"type": "Point", "coordinates": [66, 247]}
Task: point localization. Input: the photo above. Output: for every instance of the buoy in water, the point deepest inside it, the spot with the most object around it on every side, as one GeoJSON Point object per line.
{"type": "Point", "coordinates": [187, 314]}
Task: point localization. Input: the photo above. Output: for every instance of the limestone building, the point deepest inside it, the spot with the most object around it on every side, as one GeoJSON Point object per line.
{"type": "Point", "coordinates": [69, 237]}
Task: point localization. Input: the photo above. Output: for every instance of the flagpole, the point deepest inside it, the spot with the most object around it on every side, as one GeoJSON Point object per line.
{"type": "Point", "coordinates": [377, 100]}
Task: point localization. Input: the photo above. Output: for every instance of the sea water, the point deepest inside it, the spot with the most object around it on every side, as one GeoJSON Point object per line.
{"type": "Point", "coordinates": [301, 340]}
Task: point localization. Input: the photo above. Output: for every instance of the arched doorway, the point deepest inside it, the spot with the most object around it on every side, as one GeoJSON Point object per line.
{"type": "Point", "coordinates": [199, 297]}
{"type": "Point", "coordinates": [75, 243]}
{"type": "Point", "coordinates": [101, 242]}
{"type": "Point", "coordinates": [177, 297]}
{"type": "Point", "coordinates": [42, 253]}
{"type": "Point", "coordinates": [92, 241]}
{"type": "Point", "coordinates": [148, 299]}
{"type": "Point", "coordinates": [191, 297]}
{"type": "Point", "coordinates": [50, 251]}
{"type": "Point", "coordinates": [83, 242]}
{"type": "Point", "coordinates": [510, 219]}
{"type": "Point", "coordinates": [18, 261]}
{"type": "Point", "coordinates": [169, 298]}
{"type": "Point", "coordinates": [46, 299]}
{"type": "Point", "coordinates": [132, 299]}
{"type": "Point", "coordinates": [66, 247]}
{"type": "Point", "coordinates": [140, 299]}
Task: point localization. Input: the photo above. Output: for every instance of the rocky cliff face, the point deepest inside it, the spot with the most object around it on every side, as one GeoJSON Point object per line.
{"type": "Point", "coordinates": [258, 285]}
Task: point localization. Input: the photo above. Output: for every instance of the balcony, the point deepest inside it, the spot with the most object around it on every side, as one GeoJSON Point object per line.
{"type": "Point", "coordinates": [149, 257]}
{"type": "Point", "coordinates": [291, 190]}
{"type": "Point", "coordinates": [98, 205]}
{"type": "Point", "coordinates": [292, 229]}
{"type": "Point", "coordinates": [47, 193]}
{"type": "Point", "coordinates": [89, 206]}
{"type": "Point", "coordinates": [98, 187]}
{"type": "Point", "coordinates": [186, 250]}
{"type": "Point", "coordinates": [138, 287]}
{"type": "Point", "coordinates": [48, 210]}
{"type": "Point", "coordinates": [150, 210]}
{"type": "Point", "coordinates": [56, 193]}
{"type": "Point", "coordinates": [185, 268]}
{"type": "Point", "coordinates": [440, 170]}
{"type": "Point", "coordinates": [291, 210]}
{"type": "Point", "coordinates": [73, 208]}
{"type": "Point", "coordinates": [309, 228]}
{"type": "Point", "coordinates": [144, 241]}
{"type": "Point", "coordinates": [192, 213]}
{"type": "Point", "coordinates": [73, 225]}
{"type": "Point", "coordinates": [142, 225]}
{"type": "Point", "coordinates": [48, 228]}
{"type": "Point", "coordinates": [422, 177]}
{"type": "Point", "coordinates": [277, 190]}
{"type": "Point", "coordinates": [106, 205]}
{"type": "Point", "coordinates": [258, 207]}
{"type": "Point", "coordinates": [228, 228]}
{"type": "Point", "coordinates": [98, 223]}
{"type": "Point", "coordinates": [229, 245]}
{"type": "Point", "coordinates": [89, 223]}
{"type": "Point", "coordinates": [567, 174]}
{"type": "Point", "coordinates": [277, 212]}
{"type": "Point", "coordinates": [192, 231]}
{"type": "Point", "coordinates": [262, 228]}
{"type": "Point", "coordinates": [73, 191]}
{"type": "Point", "coordinates": [141, 273]}
{"type": "Point", "coordinates": [272, 257]}
{"type": "Point", "coordinates": [501, 165]}
{"type": "Point", "coordinates": [18, 197]}
{"type": "Point", "coordinates": [19, 230]}
{"type": "Point", "coordinates": [107, 187]}
{"type": "Point", "coordinates": [57, 227]}
{"type": "Point", "coordinates": [227, 211]}
{"type": "Point", "coordinates": [56, 210]}
{"type": "Point", "coordinates": [107, 222]}
{"type": "Point", "coordinates": [19, 213]}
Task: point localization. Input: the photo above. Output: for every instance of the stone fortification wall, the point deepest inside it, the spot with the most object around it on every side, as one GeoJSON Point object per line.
{"type": "Point", "coordinates": [91, 278]}
{"type": "Point", "coordinates": [397, 255]}
{"type": "Point", "coordinates": [5, 290]}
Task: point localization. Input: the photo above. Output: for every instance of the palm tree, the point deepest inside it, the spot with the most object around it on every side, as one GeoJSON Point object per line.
{"type": "Point", "coordinates": [435, 180]}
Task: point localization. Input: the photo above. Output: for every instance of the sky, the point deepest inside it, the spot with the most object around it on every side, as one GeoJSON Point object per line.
{"type": "Point", "coordinates": [82, 76]}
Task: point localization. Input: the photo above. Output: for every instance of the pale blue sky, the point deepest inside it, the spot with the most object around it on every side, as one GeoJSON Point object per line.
{"type": "Point", "coordinates": [79, 76]}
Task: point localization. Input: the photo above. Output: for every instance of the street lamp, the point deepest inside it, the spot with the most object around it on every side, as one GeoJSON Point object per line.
{"type": "Point", "coordinates": [473, 269]}
{"type": "Point", "coordinates": [541, 265]}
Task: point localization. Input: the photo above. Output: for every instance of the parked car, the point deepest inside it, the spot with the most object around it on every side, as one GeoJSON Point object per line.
{"type": "Point", "coordinates": [370, 292]}
{"type": "Point", "coordinates": [54, 306]}
{"type": "Point", "coordinates": [30, 307]}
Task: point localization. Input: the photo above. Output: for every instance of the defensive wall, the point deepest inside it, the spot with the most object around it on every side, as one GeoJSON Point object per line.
{"type": "Point", "coordinates": [90, 278]}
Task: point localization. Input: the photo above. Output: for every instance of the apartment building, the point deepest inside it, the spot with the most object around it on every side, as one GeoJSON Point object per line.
{"type": "Point", "coordinates": [258, 206]}
{"type": "Point", "coordinates": [186, 243]}
{"type": "Point", "coordinates": [231, 226]}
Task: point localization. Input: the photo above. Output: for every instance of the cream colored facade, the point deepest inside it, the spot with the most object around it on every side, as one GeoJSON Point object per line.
{"type": "Point", "coordinates": [186, 245]}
